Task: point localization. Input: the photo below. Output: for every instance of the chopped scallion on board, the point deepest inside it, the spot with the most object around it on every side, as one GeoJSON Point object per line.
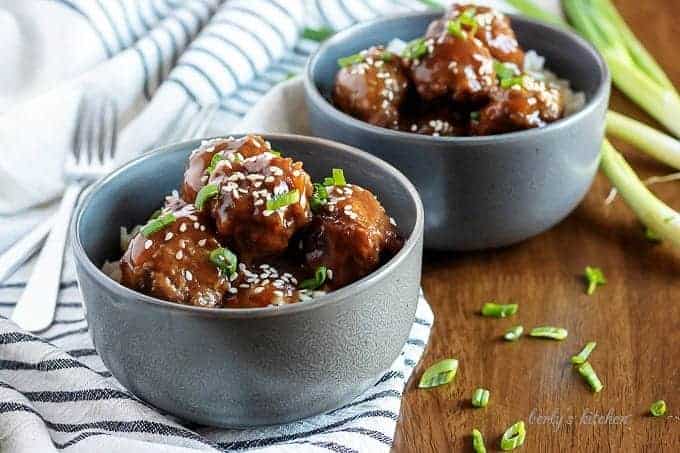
{"type": "Point", "coordinates": [555, 333]}
{"type": "Point", "coordinates": [588, 373]}
{"type": "Point", "coordinates": [582, 356]}
{"type": "Point", "coordinates": [494, 310]}
{"type": "Point", "coordinates": [438, 374]}
{"type": "Point", "coordinates": [658, 408]}
{"type": "Point", "coordinates": [595, 277]}
{"type": "Point", "coordinates": [514, 333]}
{"type": "Point", "coordinates": [513, 437]}
{"type": "Point", "coordinates": [480, 397]}
{"type": "Point", "coordinates": [478, 442]}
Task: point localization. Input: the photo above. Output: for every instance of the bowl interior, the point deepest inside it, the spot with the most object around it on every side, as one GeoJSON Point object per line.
{"type": "Point", "coordinates": [566, 54]}
{"type": "Point", "coordinates": [128, 196]}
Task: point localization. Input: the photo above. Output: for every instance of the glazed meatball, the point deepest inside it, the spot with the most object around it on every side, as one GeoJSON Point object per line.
{"type": "Point", "coordinates": [247, 184]}
{"type": "Point", "coordinates": [173, 263]}
{"type": "Point", "coordinates": [435, 120]}
{"type": "Point", "coordinates": [349, 235]}
{"type": "Point", "coordinates": [261, 286]}
{"type": "Point", "coordinates": [457, 67]}
{"type": "Point", "coordinates": [532, 103]}
{"type": "Point", "coordinates": [372, 89]}
{"type": "Point", "coordinates": [195, 176]}
{"type": "Point", "coordinates": [493, 30]}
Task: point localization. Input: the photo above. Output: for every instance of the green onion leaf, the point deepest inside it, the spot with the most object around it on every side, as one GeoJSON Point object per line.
{"type": "Point", "coordinates": [513, 437]}
{"type": "Point", "coordinates": [415, 49]}
{"type": "Point", "coordinates": [438, 374]}
{"type": "Point", "coordinates": [454, 28]}
{"type": "Point", "coordinates": [514, 333]}
{"type": "Point", "coordinates": [651, 236]}
{"type": "Point", "coordinates": [512, 81]}
{"type": "Point", "coordinates": [555, 333]}
{"type": "Point", "coordinates": [156, 214]}
{"type": "Point", "coordinates": [206, 193]}
{"type": "Point", "coordinates": [480, 397]}
{"type": "Point", "coordinates": [658, 408]}
{"type": "Point", "coordinates": [225, 260]}
{"type": "Point", "coordinates": [317, 281]}
{"type": "Point", "coordinates": [319, 197]}
{"type": "Point", "coordinates": [582, 356]}
{"type": "Point", "coordinates": [317, 34]}
{"type": "Point", "coordinates": [503, 71]}
{"type": "Point", "coordinates": [478, 442]}
{"type": "Point", "coordinates": [157, 224]}
{"type": "Point", "coordinates": [283, 200]}
{"type": "Point", "coordinates": [350, 60]}
{"type": "Point", "coordinates": [339, 177]}
{"type": "Point", "coordinates": [495, 310]}
{"type": "Point", "coordinates": [594, 277]}
{"type": "Point", "coordinates": [468, 18]}
{"type": "Point", "coordinates": [588, 373]}
{"type": "Point", "coordinates": [213, 162]}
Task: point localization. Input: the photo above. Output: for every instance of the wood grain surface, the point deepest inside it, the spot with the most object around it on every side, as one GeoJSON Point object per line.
{"type": "Point", "coordinates": [635, 318]}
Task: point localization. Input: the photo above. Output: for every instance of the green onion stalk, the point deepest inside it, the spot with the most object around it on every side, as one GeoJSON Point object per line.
{"type": "Point", "coordinates": [639, 76]}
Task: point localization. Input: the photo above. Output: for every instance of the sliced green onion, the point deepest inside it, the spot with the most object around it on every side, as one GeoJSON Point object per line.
{"type": "Point", "coordinates": [658, 408]}
{"type": "Point", "coordinates": [513, 437]}
{"type": "Point", "coordinates": [478, 442]}
{"type": "Point", "coordinates": [415, 49]}
{"type": "Point", "coordinates": [480, 397]}
{"type": "Point", "coordinates": [438, 374]}
{"type": "Point", "coordinates": [206, 193]}
{"type": "Point", "coordinates": [225, 260]}
{"type": "Point", "coordinates": [157, 224]}
{"type": "Point", "coordinates": [156, 214]}
{"type": "Point", "coordinates": [468, 18]}
{"type": "Point", "coordinates": [337, 178]}
{"type": "Point", "coordinates": [503, 71]}
{"type": "Point", "coordinates": [555, 333]}
{"type": "Point", "coordinates": [588, 373]}
{"type": "Point", "coordinates": [317, 34]}
{"type": "Point", "coordinates": [495, 310]}
{"type": "Point", "coordinates": [283, 200]}
{"type": "Point", "coordinates": [514, 333]}
{"type": "Point", "coordinates": [511, 82]}
{"type": "Point", "coordinates": [350, 60]}
{"type": "Point", "coordinates": [651, 236]}
{"type": "Point", "coordinates": [582, 356]}
{"type": "Point", "coordinates": [319, 197]}
{"type": "Point", "coordinates": [275, 152]}
{"type": "Point", "coordinates": [455, 29]}
{"type": "Point", "coordinates": [594, 277]}
{"type": "Point", "coordinates": [317, 281]}
{"type": "Point", "coordinates": [213, 163]}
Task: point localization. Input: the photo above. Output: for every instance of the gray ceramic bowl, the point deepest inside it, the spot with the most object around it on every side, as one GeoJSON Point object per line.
{"type": "Point", "coordinates": [245, 367]}
{"type": "Point", "coordinates": [479, 192]}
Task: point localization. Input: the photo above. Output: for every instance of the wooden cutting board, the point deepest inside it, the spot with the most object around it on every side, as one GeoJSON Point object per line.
{"type": "Point", "coordinates": [635, 318]}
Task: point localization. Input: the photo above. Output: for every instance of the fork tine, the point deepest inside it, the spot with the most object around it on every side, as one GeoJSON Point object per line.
{"type": "Point", "coordinates": [102, 130]}
{"type": "Point", "coordinates": [78, 130]}
{"type": "Point", "coordinates": [108, 131]}
{"type": "Point", "coordinates": [114, 129]}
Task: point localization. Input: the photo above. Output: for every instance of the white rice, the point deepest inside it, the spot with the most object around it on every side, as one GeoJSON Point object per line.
{"type": "Point", "coordinates": [534, 65]}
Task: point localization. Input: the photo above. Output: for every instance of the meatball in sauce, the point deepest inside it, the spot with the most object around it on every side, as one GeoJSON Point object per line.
{"type": "Point", "coordinates": [372, 86]}
{"type": "Point", "coordinates": [243, 233]}
{"type": "Point", "coordinates": [464, 76]}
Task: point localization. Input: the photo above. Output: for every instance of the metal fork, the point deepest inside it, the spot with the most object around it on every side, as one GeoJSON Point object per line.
{"type": "Point", "coordinates": [178, 131]}
{"type": "Point", "coordinates": [91, 156]}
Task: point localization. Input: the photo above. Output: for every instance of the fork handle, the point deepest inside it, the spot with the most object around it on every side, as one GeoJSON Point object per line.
{"type": "Point", "coordinates": [35, 309]}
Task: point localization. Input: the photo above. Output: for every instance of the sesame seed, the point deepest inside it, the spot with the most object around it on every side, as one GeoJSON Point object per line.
{"type": "Point", "coordinates": [189, 276]}
{"type": "Point", "coordinates": [168, 235]}
{"type": "Point", "coordinates": [202, 228]}
{"type": "Point", "coordinates": [201, 243]}
{"type": "Point", "coordinates": [258, 290]}
{"type": "Point", "coordinates": [182, 227]}
{"type": "Point", "coordinates": [196, 225]}
{"type": "Point", "coordinates": [147, 244]}
{"type": "Point", "coordinates": [233, 290]}
{"type": "Point", "coordinates": [179, 255]}
{"type": "Point", "coordinates": [329, 274]}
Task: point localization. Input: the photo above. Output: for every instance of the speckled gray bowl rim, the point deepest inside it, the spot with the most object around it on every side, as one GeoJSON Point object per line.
{"type": "Point", "coordinates": [324, 104]}
{"type": "Point", "coordinates": [332, 297]}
